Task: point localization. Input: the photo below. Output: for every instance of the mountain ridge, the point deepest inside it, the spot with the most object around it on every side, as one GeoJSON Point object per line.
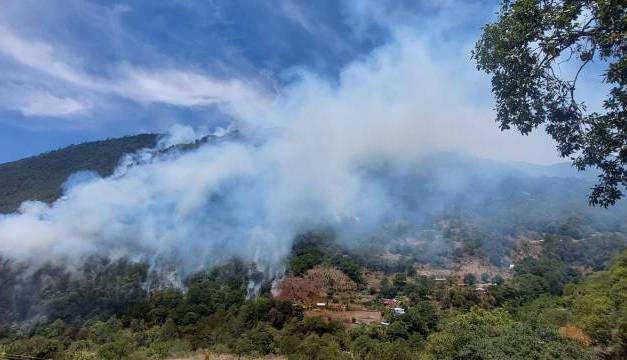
{"type": "Point", "coordinates": [41, 177]}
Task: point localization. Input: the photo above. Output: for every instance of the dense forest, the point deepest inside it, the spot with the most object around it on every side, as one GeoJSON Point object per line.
{"type": "Point", "coordinates": [558, 303]}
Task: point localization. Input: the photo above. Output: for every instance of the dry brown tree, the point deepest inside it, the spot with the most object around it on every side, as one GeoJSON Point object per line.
{"type": "Point", "coordinates": [316, 285]}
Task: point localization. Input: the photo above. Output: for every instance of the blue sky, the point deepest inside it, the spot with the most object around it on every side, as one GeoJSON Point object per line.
{"type": "Point", "coordinates": [81, 70]}
{"type": "Point", "coordinates": [78, 70]}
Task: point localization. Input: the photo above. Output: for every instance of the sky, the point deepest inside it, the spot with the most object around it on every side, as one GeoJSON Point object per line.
{"type": "Point", "coordinates": [81, 70]}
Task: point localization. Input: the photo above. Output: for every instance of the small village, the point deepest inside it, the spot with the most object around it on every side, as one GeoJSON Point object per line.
{"type": "Point", "coordinates": [326, 292]}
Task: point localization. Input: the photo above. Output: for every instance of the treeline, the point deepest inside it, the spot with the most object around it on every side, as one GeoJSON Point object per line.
{"type": "Point", "coordinates": [546, 310]}
{"type": "Point", "coordinates": [104, 312]}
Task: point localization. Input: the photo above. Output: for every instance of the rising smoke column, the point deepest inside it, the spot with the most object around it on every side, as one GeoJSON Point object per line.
{"type": "Point", "coordinates": [302, 161]}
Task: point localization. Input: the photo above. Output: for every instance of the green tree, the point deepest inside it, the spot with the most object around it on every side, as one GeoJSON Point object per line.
{"type": "Point", "coordinates": [470, 279]}
{"type": "Point", "coordinates": [81, 355]}
{"type": "Point", "coordinates": [316, 347]}
{"type": "Point", "coordinates": [36, 346]}
{"type": "Point", "coordinates": [522, 51]}
{"type": "Point", "coordinates": [398, 329]}
{"type": "Point", "coordinates": [485, 277]}
{"type": "Point", "coordinates": [599, 307]}
{"type": "Point", "coordinates": [398, 350]}
{"type": "Point", "coordinates": [257, 341]}
{"type": "Point", "coordinates": [168, 330]}
{"type": "Point", "coordinates": [423, 318]}
{"type": "Point", "coordinates": [119, 349]}
{"type": "Point", "coordinates": [497, 279]}
{"type": "Point", "coordinates": [160, 349]}
{"type": "Point", "coordinates": [481, 334]}
{"type": "Point", "coordinates": [387, 289]}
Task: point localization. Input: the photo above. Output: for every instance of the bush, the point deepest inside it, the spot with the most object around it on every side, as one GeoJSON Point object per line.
{"type": "Point", "coordinates": [470, 279]}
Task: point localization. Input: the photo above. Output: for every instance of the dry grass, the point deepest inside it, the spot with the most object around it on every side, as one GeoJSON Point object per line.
{"type": "Point", "coordinates": [575, 333]}
{"type": "Point", "coordinates": [347, 317]}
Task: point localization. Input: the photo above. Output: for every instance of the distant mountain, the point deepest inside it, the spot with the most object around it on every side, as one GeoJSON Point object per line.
{"type": "Point", "coordinates": [479, 166]}
{"type": "Point", "coordinates": [41, 177]}
{"type": "Point", "coordinates": [563, 169]}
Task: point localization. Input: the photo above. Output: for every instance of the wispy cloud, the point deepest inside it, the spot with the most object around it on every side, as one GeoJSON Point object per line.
{"type": "Point", "coordinates": [45, 104]}
{"type": "Point", "coordinates": [295, 13]}
{"type": "Point", "coordinates": [40, 56]}
{"type": "Point", "coordinates": [179, 87]}
{"type": "Point", "coordinates": [35, 100]}
{"type": "Point", "coordinates": [172, 86]}
{"type": "Point", "coordinates": [61, 77]}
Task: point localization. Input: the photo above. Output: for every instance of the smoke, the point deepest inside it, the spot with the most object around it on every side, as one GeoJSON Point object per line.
{"type": "Point", "coordinates": [304, 159]}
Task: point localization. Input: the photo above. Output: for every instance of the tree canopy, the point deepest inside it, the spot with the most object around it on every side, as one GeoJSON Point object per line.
{"type": "Point", "coordinates": [535, 52]}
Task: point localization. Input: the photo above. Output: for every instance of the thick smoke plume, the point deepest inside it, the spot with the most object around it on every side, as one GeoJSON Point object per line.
{"type": "Point", "coordinates": [308, 158]}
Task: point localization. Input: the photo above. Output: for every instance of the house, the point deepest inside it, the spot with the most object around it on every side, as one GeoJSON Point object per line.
{"type": "Point", "coordinates": [321, 305]}
{"type": "Point", "coordinates": [399, 311]}
{"type": "Point", "coordinates": [389, 302]}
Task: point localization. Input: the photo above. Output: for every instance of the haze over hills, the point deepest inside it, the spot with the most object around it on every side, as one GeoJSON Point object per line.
{"type": "Point", "coordinates": [454, 226]}
{"type": "Point", "coordinates": [42, 177]}
{"type": "Point", "coordinates": [498, 197]}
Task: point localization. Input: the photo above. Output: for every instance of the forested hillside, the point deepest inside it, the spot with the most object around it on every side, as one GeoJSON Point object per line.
{"type": "Point", "coordinates": [493, 282]}
{"type": "Point", "coordinates": [506, 264]}
{"type": "Point", "coordinates": [316, 180]}
{"type": "Point", "coordinates": [41, 177]}
{"type": "Point", "coordinates": [547, 310]}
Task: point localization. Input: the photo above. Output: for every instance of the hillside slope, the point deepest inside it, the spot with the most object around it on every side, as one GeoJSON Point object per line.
{"type": "Point", "coordinates": [41, 177]}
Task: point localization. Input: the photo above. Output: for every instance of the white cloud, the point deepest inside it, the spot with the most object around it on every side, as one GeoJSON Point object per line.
{"type": "Point", "coordinates": [178, 87]}
{"type": "Point", "coordinates": [173, 86]}
{"type": "Point", "coordinates": [40, 101]}
{"type": "Point", "coordinates": [46, 104]}
{"type": "Point", "coordinates": [42, 57]}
